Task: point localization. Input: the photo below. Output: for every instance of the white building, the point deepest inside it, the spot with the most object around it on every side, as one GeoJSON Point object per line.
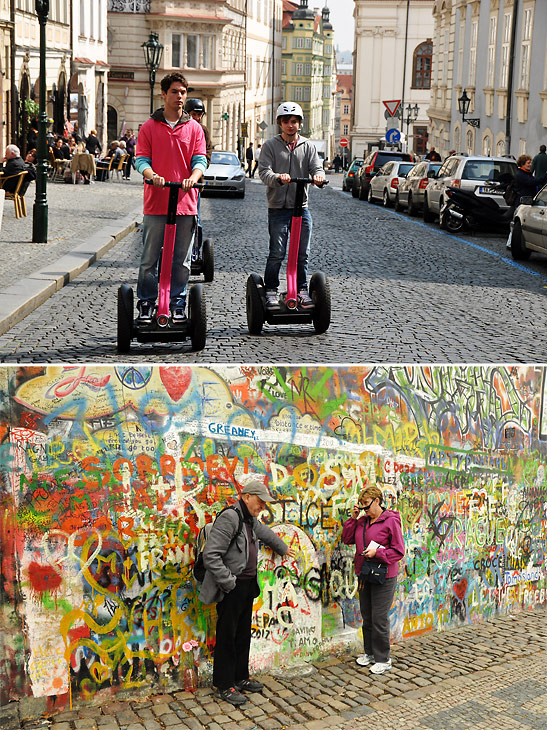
{"type": "Point", "coordinates": [392, 62]}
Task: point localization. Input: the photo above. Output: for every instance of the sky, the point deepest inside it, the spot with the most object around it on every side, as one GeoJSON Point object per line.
{"type": "Point", "coordinates": [341, 17]}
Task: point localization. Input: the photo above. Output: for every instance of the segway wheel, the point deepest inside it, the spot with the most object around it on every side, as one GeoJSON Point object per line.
{"type": "Point", "coordinates": [198, 317]}
{"type": "Point", "coordinates": [320, 294]}
{"type": "Point", "coordinates": [125, 318]}
{"type": "Point", "coordinates": [208, 255]}
{"type": "Point", "coordinates": [255, 310]}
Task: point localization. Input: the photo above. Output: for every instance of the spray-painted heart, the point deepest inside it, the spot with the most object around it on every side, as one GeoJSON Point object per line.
{"type": "Point", "coordinates": [460, 588]}
{"type": "Point", "coordinates": [176, 380]}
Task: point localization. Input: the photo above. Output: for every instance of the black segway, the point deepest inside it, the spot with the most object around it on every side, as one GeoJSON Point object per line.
{"type": "Point", "coordinates": [162, 328]}
{"type": "Point", "coordinates": [289, 312]}
{"type": "Point", "coordinates": [203, 256]}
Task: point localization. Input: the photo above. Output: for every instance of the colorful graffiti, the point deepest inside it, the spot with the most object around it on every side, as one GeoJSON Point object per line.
{"type": "Point", "coordinates": [109, 473]}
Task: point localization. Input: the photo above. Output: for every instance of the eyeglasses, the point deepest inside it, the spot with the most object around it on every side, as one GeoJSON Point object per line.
{"type": "Point", "coordinates": [366, 507]}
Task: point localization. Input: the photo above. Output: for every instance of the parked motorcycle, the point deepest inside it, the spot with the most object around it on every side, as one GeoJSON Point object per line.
{"type": "Point", "coordinates": [476, 209]}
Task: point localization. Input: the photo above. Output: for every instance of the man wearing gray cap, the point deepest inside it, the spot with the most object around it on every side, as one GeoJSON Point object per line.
{"type": "Point", "coordinates": [230, 560]}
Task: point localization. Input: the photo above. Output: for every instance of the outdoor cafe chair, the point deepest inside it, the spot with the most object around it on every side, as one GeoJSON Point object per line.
{"type": "Point", "coordinates": [17, 197]}
{"type": "Point", "coordinates": [120, 168]}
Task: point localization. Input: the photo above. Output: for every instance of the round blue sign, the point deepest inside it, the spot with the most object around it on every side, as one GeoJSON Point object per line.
{"type": "Point", "coordinates": [393, 135]}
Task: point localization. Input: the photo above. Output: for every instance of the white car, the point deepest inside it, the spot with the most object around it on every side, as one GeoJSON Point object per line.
{"type": "Point", "coordinates": [529, 226]}
{"type": "Point", "coordinates": [225, 174]}
{"type": "Point", "coordinates": [383, 185]}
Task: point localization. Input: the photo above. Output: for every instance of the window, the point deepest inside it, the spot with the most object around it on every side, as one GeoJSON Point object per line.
{"type": "Point", "coordinates": [346, 108]}
{"type": "Point", "coordinates": [176, 59]}
{"type": "Point", "coordinates": [345, 129]}
{"type": "Point", "coordinates": [192, 51]}
{"type": "Point", "coordinates": [207, 46]}
{"type": "Point", "coordinates": [299, 42]}
{"type": "Point", "coordinates": [524, 81]}
{"type": "Point", "coordinates": [284, 43]}
{"type": "Point", "coordinates": [421, 74]}
{"type": "Point", "coordinates": [82, 18]}
{"type": "Point", "coordinates": [461, 42]}
{"type": "Point", "coordinates": [473, 53]}
{"type": "Point", "coordinates": [505, 50]}
{"type": "Point", "coordinates": [307, 69]}
{"type": "Point", "coordinates": [491, 62]}
{"type": "Point", "coordinates": [92, 20]}
{"type": "Point", "coordinates": [298, 69]}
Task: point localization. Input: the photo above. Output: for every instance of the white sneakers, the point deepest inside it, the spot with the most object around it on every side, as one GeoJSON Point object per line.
{"type": "Point", "coordinates": [364, 660]}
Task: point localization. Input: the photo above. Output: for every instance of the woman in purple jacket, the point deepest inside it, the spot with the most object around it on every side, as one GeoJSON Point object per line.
{"type": "Point", "coordinates": [377, 535]}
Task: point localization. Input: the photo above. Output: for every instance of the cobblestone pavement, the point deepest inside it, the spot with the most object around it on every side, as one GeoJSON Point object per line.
{"type": "Point", "coordinates": [402, 291]}
{"type": "Point", "coordinates": [481, 676]}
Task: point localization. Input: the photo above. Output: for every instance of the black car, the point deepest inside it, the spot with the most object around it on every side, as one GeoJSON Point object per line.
{"type": "Point", "coordinates": [370, 167]}
{"type": "Point", "coordinates": [350, 175]}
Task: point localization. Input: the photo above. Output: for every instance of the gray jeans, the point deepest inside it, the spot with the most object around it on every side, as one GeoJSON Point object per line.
{"type": "Point", "coordinates": [375, 601]}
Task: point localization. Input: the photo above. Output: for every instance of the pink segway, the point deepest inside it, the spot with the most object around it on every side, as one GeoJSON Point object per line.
{"type": "Point", "coordinates": [289, 312]}
{"type": "Point", "coordinates": [162, 328]}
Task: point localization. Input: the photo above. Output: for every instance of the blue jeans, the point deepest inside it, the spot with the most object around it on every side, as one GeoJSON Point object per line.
{"type": "Point", "coordinates": [279, 226]}
{"type": "Point", "coordinates": [153, 232]}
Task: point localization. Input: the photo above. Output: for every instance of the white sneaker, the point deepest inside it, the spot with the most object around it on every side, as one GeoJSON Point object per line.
{"type": "Point", "coordinates": [363, 660]}
{"type": "Point", "coordinates": [304, 299]}
{"type": "Point", "coordinates": [272, 299]}
{"type": "Point", "coordinates": [381, 667]}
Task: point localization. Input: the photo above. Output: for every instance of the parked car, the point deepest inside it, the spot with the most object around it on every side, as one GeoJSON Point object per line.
{"type": "Point", "coordinates": [351, 173]}
{"type": "Point", "coordinates": [225, 174]}
{"type": "Point", "coordinates": [410, 193]}
{"type": "Point", "coordinates": [529, 226]}
{"type": "Point", "coordinates": [373, 162]}
{"type": "Point", "coordinates": [467, 173]}
{"type": "Point", "coordinates": [383, 186]}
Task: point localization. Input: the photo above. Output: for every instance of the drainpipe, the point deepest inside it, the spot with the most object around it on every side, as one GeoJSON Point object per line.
{"type": "Point", "coordinates": [510, 78]}
{"type": "Point", "coordinates": [402, 105]}
{"type": "Point", "coordinates": [13, 116]}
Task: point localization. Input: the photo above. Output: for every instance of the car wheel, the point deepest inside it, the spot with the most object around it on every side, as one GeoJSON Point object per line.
{"type": "Point", "coordinates": [518, 247]}
{"type": "Point", "coordinates": [362, 192]}
{"type": "Point", "coordinates": [369, 195]}
{"type": "Point", "coordinates": [429, 217]}
{"type": "Point", "coordinates": [386, 202]}
{"type": "Point", "coordinates": [398, 206]}
{"type": "Point", "coordinates": [412, 210]}
{"type": "Point", "coordinates": [354, 191]}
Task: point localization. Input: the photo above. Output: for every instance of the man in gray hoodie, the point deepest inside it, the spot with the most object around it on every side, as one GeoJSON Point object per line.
{"type": "Point", "coordinates": [230, 558]}
{"type": "Point", "coordinates": [284, 156]}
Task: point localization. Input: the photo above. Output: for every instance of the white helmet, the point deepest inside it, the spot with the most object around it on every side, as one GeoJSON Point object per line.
{"type": "Point", "coordinates": [289, 108]}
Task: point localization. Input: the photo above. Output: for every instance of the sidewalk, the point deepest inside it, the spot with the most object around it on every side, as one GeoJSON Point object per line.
{"type": "Point", "coordinates": [84, 222]}
{"type": "Point", "coordinates": [489, 675]}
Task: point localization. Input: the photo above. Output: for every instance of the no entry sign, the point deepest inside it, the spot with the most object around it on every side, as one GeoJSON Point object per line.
{"type": "Point", "coordinates": [344, 142]}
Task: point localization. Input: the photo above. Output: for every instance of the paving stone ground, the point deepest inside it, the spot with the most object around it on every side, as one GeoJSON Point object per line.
{"type": "Point", "coordinates": [481, 676]}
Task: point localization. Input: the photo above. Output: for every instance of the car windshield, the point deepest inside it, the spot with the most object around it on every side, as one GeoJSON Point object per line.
{"type": "Point", "coordinates": [224, 158]}
{"type": "Point", "coordinates": [487, 169]}
{"type": "Point", "coordinates": [404, 169]}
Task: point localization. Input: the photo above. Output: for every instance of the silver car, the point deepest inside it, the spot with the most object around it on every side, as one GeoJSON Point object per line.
{"type": "Point", "coordinates": [383, 186]}
{"type": "Point", "coordinates": [410, 193]}
{"type": "Point", "coordinates": [225, 174]}
{"type": "Point", "coordinates": [529, 226]}
{"type": "Point", "coordinates": [466, 173]}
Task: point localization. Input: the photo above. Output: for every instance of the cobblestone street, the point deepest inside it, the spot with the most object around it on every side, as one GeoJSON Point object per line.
{"type": "Point", "coordinates": [488, 675]}
{"type": "Point", "coordinates": [402, 291]}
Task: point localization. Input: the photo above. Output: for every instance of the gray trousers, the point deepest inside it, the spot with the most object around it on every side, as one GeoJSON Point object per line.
{"type": "Point", "coordinates": [375, 602]}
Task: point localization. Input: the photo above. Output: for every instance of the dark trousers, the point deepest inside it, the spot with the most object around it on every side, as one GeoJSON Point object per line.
{"type": "Point", "coordinates": [233, 638]}
{"type": "Point", "coordinates": [375, 602]}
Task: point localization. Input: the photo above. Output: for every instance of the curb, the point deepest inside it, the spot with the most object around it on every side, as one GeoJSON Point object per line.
{"type": "Point", "coordinates": [20, 299]}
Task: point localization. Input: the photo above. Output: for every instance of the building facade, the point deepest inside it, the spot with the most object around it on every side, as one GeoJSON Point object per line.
{"type": "Point", "coordinates": [392, 62]}
{"type": "Point", "coordinates": [6, 42]}
{"type": "Point", "coordinates": [499, 58]}
{"type": "Point", "coordinates": [205, 40]}
{"type": "Point", "coordinates": [343, 113]}
{"type": "Point", "coordinates": [309, 70]}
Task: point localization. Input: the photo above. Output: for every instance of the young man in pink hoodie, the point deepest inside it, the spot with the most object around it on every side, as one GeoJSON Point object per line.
{"type": "Point", "coordinates": [170, 146]}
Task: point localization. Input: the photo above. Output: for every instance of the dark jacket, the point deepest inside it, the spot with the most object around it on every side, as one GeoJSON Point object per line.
{"type": "Point", "coordinates": [208, 144]}
{"type": "Point", "coordinates": [93, 145]}
{"type": "Point", "coordinates": [224, 562]}
{"type": "Point", "coordinates": [62, 152]}
{"type": "Point", "coordinates": [12, 167]}
{"type": "Point", "coordinates": [249, 154]}
{"type": "Point", "coordinates": [130, 144]}
{"type": "Point", "coordinates": [539, 164]}
{"type": "Point", "coordinates": [526, 184]}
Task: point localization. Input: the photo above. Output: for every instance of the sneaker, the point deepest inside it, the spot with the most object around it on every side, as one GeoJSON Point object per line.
{"type": "Point", "coordinates": [363, 660]}
{"type": "Point", "coordinates": [178, 314]}
{"type": "Point", "coordinates": [272, 299]}
{"type": "Point", "coordinates": [146, 311]}
{"type": "Point", "coordinates": [249, 685]}
{"type": "Point", "coordinates": [231, 695]}
{"type": "Point", "coordinates": [381, 667]}
{"type": "Point", "coordinates": [304, 299]}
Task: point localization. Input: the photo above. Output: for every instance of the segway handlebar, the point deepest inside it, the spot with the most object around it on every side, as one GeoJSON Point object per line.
{"type": "Point", "coordinates": [307, 181]}
{"type": "Point", "coordinates": [167, 184]}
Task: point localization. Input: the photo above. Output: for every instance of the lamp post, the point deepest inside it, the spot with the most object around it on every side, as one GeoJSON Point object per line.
{"type": "Point", "coordinates": [152, 57]}
{"type": "Point", "coordinates": [40, 210]}
{"type": "Point", "coordinates": [411, 114]}
{"type": "Point", "coordinates": [463, 106]}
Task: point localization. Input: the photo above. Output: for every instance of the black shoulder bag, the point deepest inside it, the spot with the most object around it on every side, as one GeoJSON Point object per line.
{"type": "Point", "coordinates": [372, 571]}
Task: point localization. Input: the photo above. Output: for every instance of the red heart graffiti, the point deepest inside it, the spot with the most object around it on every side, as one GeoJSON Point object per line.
{"type": "Point", "coordinates": [176, 380]}
{"type": "Point", "coordinates": [460, 588]}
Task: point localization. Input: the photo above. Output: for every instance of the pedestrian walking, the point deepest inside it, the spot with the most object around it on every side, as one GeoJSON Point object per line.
{"type": "Point", "coordinates": [284, 156]}
{"type": "Point", "coordinates": [526, 184]}
{"type": "Point", "coordinates": [257, 158]}
{"type": "Point", "coordinates": [171, 146]}
{"type": "Point", "coordinates": [539, 163]}
{"type": "Point", "coordinates": [337, 163]}
{"type": "Point", "coordinates": [249, 156]}
{"type": "Point", "coordinates": [433, 155]}
{"type": "Point", "coordinates": [130, 146]}
{"type": "Point", "coordinates": [379, 546]}
{"type": "Point", "coordinates": [230, 560]}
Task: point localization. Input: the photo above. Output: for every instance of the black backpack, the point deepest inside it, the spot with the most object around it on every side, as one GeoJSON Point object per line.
{"type": "Point", "coordinates": [199, 568]}
{"type": "Point", "coordinates": [510, 195]}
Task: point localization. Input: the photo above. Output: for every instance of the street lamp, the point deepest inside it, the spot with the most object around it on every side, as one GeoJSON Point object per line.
{"type": "Point", "coordinates": [152, 57]}
{"type": "Point", "coordinates": [463, 106]}
{"type": "Point", "coordinates": [411, 113]}
{"type": "Point", "coordinates": [40, 209]}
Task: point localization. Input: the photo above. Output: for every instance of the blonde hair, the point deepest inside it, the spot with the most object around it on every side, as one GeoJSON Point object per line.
{"type": "Point", "coordinates": [371, 492]}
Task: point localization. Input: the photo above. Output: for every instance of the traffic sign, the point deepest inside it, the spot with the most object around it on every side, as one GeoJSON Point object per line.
{"type": "Point", "coordinates": [344, 142]}
{"type": "Point", "coordinates": [244, 129]}
{"type": "Point", "coordinates": [392, 106]}
{"type": "Point", "coordinates": [393, 135]}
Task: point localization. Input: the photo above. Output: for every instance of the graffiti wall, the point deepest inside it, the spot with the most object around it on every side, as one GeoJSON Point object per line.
{"type": "Point", "coordinates": [109, 473]}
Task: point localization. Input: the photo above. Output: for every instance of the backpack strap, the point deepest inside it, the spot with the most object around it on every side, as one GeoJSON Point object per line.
{"type": "Point", "coordinates": [239, 527]}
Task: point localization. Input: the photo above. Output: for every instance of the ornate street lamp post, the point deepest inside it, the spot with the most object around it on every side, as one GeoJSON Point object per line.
{"type": "Point", "coordinates": [40, 210]}
{"type": "Point", "coordinates": [152, 57]}
{"type": "Point", "coordinates": [411, 116]}
{"type": "Point", "coordinates": [463, 106]}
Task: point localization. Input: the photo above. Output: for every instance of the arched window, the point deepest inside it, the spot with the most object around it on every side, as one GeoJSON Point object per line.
{"type": "Point", "coordinates": [421, 69]}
